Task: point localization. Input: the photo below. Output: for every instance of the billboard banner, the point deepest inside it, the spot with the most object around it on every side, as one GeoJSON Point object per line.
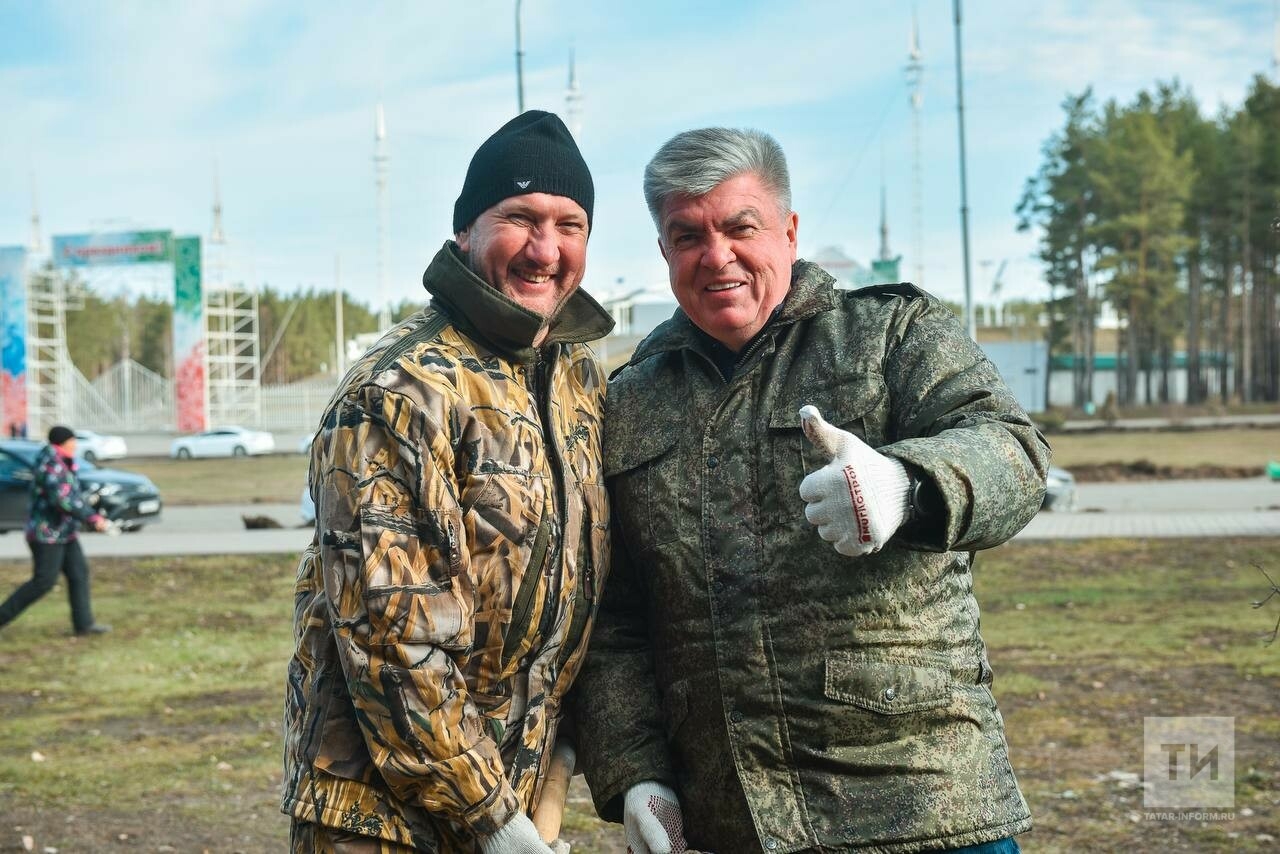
{"type": "Point", "coordinates": [122, 247]}
{"type": "Point", "coordinates": [190, 351]}
{"type": "Point", "coordinates": [13, 339]}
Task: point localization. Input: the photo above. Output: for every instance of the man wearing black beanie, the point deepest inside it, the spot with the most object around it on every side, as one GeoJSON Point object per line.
{"type": "Point", "coordinates": [56, 513]}
{"type": "Point", "coordinates": [461, 541]}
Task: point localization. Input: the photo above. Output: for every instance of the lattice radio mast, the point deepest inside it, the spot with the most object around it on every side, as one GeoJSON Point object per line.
{"type": "Point", "coordinates": [381, 161]}
{"type": "Point", "coordinates": [915, 76]}
{"type": "Point", "coordinates": [573, 101]}
{"type": "Point", "coordinates": [37, 242]}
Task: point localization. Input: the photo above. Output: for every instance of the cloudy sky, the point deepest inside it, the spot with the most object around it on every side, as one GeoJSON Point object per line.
{"type": "Point", "coordinates": [117, 111]}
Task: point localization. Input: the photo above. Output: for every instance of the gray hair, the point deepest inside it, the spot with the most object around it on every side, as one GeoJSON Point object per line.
{"type": "Point", "coordinates": [695, 162]}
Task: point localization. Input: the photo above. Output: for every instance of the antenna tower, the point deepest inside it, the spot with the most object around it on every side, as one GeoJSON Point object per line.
{"type": "Point", "coordinates": [573, 101]}
{"type": "Point", "coordinates": [885, 255]}
{"type": "Point", "coordinates": [217, 236]}
{"type": "Point", "coordinates": [1275, 41]}
{"type": "Point", "coordinates": [915, 77]}
{"type": "Point", "coordinates": [37, 243]}
{"type": "Point", "coordinates": [380, 163]}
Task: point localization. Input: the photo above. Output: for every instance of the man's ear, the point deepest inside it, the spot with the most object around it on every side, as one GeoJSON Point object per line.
{"type": "Point", "coordinates": [463, 239]}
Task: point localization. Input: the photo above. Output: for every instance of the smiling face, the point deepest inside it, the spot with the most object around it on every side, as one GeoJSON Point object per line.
{"type": "Point", "coordinates": [532, 248]}
{"type": "Point", "coordinates": [729, 254]}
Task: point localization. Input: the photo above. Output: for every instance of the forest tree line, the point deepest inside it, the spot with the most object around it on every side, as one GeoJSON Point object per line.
{"type": "Point", "coordinates": [1172, 218]}
{"type": "Point", "coordinates": [302, 325]}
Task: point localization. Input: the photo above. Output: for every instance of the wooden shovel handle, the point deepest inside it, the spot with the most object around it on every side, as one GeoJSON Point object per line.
{"type": "Point", "coordinates": [550, 810]}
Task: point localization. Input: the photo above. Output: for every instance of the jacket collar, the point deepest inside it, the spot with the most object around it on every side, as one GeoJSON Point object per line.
{"type": "Point", "coordinates": [812, 292]}
{"type": "Point", "coordinates": [484, 311]}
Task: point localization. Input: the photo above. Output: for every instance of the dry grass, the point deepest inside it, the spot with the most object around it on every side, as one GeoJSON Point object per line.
{"type": "Point", "coordinates": [166, 732]}
{"type": "Point", "coordinates": [275, 478]}
{"type": "Point", "coordinates": [1242, 447]}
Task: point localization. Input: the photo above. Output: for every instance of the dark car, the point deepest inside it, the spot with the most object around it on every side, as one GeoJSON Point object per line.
{"type": "Point", "coordinates": [129, 499]}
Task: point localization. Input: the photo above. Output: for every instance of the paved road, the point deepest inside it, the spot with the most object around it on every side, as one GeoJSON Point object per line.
{"type": "Point", "coordinates": [1191, 508]}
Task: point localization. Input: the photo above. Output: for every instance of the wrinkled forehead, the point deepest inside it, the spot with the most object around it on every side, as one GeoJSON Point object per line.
{"type": "Point", "coordinates": [744, 197]}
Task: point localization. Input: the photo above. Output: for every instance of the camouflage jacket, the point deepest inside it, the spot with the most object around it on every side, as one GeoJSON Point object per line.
{"type": "Point", "coordinates": [57, 502]}
{"type": "Point", "coordinates": [796, 699]}
{"type": "Point", "coordinates": [442, 609]}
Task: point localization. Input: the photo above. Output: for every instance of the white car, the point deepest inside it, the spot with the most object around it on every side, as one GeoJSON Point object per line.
{"type": "Point", "coordinates": [223, 442]}
{"type": "Point", "coordinates": [307, 507]}
{"type": "Point", "coordinates": [95, 446]}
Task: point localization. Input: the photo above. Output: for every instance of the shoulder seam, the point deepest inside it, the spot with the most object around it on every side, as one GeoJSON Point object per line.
{"type": "Point", "coordinates": [424, 333]}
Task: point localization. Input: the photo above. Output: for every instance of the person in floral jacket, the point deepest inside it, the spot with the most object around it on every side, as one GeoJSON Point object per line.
{"type": "Point", "coordinates": [57, 510]}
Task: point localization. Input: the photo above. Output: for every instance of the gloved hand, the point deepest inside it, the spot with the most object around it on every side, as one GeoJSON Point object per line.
{"type": "Point", "coordinates": [859, 499]}
{"type": "Point", "coordinates": [652, 819]}
{"type": "Point", "coordinates": [517, 836]}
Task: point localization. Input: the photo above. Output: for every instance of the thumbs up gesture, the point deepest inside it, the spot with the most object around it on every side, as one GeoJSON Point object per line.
{"type": "Point", "coordinates": [859, 499]}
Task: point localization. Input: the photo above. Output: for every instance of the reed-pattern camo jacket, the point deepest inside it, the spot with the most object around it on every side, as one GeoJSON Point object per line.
{"type": "Point", "coordinates": [57, 502]}
{"type": "Point", "coordinates": [443, 607]}
{"type": "Point", "coordinates": [796, 699]}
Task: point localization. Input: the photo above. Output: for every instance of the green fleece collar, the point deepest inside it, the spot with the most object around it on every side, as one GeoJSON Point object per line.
{"type": "Point", "coordinates": [486, 312]}
{"type": "Point", "coordinates": [812, 292]}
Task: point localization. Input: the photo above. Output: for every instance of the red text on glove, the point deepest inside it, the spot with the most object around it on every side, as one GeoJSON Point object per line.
{"type": "Point", "coordinates": [859, 504]}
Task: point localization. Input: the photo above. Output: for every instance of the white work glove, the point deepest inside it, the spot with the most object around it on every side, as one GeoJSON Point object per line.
{"type": "Point", "coordinates": [517, 836]}
{"type": "Point", "coordinates": [652, 819]}
{"type": "Point", "coordinates": [859, 499]}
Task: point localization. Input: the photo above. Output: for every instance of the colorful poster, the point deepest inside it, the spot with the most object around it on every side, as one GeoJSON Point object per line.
{"type": "Point", "coordinates": [190, 353]}
{"type": "Point", "coordinates": [124, 247]}
{"type": "Point", "coordinates": [13, 340]}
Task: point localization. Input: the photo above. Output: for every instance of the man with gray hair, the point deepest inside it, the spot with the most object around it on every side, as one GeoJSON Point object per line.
{"type": "Point", "coordinates": [788, 656]}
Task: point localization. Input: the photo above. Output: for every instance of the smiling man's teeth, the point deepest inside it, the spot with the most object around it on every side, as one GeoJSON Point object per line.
{"type": "Point", "coordinates": [723, 287]}
{"type": "Point", "coordinates": [537, 280]}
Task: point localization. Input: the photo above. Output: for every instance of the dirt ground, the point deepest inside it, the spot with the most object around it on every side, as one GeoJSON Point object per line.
{"type": "Point", "coordinates": [1086, 639]}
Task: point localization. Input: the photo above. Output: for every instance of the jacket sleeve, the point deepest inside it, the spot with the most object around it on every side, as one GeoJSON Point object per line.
{"type": "Point", "coordinates": [615, 701]}
{"type": "Point", "coordinates": [62, 489]}
{"type": "Point", "coordinates": [959, 425]}
{"type": "Point", "coordinates": [398, 579]}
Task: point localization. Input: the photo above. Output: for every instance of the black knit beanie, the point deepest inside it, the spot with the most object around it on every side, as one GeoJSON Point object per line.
{"type": "Point", "coordinates": [532, 153]}
{"type": "Point", "coordinates": [59, 434]}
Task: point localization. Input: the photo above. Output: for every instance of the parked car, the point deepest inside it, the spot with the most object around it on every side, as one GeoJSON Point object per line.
{"type": "Point", "coordinates": [1060, 494]}
{"type": "Point", "coordinates": [307, 507]}
{"type": "Point", "coordinates": [124, 497]}
{"type": "Point", "coordinates": [223, 442]}
{"type": "Point", "coordinates": [95, 446]}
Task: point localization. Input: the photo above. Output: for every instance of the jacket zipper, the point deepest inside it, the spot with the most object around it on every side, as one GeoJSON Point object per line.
{"type": "Point", "coordinates": [542, 389]}
{"type": "Point", "coordinates": [545, 556]}
{"type": "Point", "coordinates": [523, 604]}
{"type": "Point", "coordinates": [582, 598]}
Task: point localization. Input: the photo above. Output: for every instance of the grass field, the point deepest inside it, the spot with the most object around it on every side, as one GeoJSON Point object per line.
{"type": "Point", "coordinates": [268, 479]}
{"type": "Point", "coordinates": [166, 732]}
{"type": "Point", "coordinates": [1242, 447]}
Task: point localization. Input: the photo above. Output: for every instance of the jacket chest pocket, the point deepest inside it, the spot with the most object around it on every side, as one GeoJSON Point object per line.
{"type": "Point", "coordinates": [645, 478]}
{"type": "Point", "coordinates": [857, 406]}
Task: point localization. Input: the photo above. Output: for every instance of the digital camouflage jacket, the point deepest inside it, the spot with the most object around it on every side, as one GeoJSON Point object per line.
{"type": "Point", "coordinates": [461, 538]}
{"type": "Point", "coordinates": [796, 699]}
{"type": "Point", "coordinates": [57, 502]}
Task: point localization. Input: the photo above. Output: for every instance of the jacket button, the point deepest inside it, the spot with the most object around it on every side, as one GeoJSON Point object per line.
{"type": "Point", "coordinates": [717, 587]}
{"type": "Point", "coordinates": [770, 843]}
{"type": "Point", "coordinates": [890, 693]}
{"type": "Point", "coordinates": [735, 717]}
{"type": "Point", "coordinates": [713, 461]}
